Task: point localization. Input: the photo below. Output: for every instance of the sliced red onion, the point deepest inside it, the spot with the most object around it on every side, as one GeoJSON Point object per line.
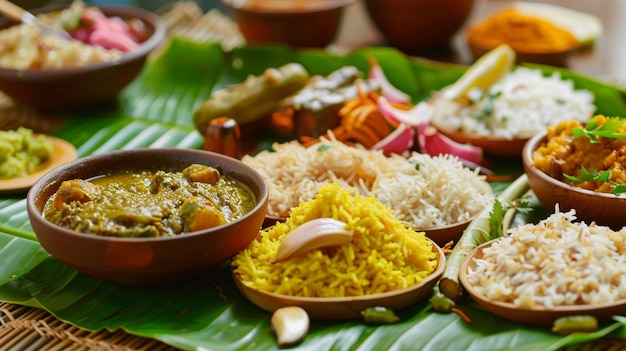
{"type": "Point", "coordinates": [433, 143]}
{"type": "Point", "coordinates": [387, 89]}
{"type": "Point", "coordinates": [416, 116]}
{"type": "Point", "coordinates": [398, 142]}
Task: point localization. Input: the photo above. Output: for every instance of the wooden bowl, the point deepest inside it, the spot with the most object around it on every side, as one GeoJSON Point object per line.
{"type": "Point", "coordinates": [556, 58]}
{"type": "Point", "coordinates": [88, 86]}
{"type": "Point", "coordinates": [336, 308]}
{"type": "Point", "coordinates": [146, 261]}
{"type": "Point", "coordinates": [534, 317]}
{"type": "Point", "coordinates": [602, 208]}
{"type": "Point", "coordinates": [296, 23]}
{"type": "Point", "coordinates": [491, 145]}
{"type": "Point", "coordinates": [417, 27]}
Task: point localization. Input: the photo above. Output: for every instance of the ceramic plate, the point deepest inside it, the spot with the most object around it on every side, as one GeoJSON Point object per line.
{"type": "Point", "coordinates": [336, 308]}
{"type": "Point", "coordinates": [62, 152]}
{"type": "Point", "coordinates": [532, 316]}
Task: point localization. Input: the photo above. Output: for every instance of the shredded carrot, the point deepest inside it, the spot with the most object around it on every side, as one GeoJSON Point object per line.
{"type": "Point", "coordinates": [447, 248]}
{"type": "Point", "coordinates": [361, 121]}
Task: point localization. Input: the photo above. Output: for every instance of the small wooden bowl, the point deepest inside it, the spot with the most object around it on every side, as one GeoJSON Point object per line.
{"type": "Point", "coordinates": [534, 317]}
{"type": "Point", "coordinates": [491, 145]}
{"type": "Point", "coordinates": [591, 206]}
{"type": "Point", "coordinates": [556, 58]}
{"type": "Point", "coordinates": [337, 308]}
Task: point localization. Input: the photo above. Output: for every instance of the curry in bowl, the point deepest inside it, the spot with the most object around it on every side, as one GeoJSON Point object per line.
{"type": "Point", "coordinates": [150, 203]}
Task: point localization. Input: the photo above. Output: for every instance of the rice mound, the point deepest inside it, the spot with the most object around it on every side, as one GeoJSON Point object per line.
{"type": "Point", "coordinates": [435, 191]}
{"type": "Point", "coordinates": [523, 103]}
{"type": "Point", "coordinates": [384, 254]}
{"type": "Point", "coordinates": [554, 263]}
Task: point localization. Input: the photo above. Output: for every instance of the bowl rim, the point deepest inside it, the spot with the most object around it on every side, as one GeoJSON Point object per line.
{"type": "Point", "coordinates": [324, 6]}
{"type": "Point", "coordinates": [463, 278]}
{"type": "Point", "coordinates": [145, 47]}
{"type": "Point", "coordinates": [527, 153]}
{"type": "Point", "coordinates": [49, 178]}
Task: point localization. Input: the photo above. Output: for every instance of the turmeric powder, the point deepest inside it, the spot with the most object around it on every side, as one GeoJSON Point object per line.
{"type": "Point", "coordinates": [523, 33]}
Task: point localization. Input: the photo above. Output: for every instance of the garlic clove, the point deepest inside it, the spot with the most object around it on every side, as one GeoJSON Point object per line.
{"type": "Point", "coordinates": [291, 324]}
{"type": "Point", "coordinates": [314, 234]}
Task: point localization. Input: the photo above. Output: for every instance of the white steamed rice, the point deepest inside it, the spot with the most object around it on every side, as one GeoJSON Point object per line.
{"type": "Point", "coordinates": [523, 103]}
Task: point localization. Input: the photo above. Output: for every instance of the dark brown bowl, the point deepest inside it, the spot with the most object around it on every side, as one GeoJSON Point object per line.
{"type": "Point", "coordinates": [297, 24]}
{"type": "Point", "coordinates": [416, 26]}
{"type": "Point", "coordinates": [602, 208]}
{"type": "Point", "coordinates": [542, 317]}
{"type": "Point", "coordinates": [146, 261]}
{"type": "Point", "coordinates": [82, 87]}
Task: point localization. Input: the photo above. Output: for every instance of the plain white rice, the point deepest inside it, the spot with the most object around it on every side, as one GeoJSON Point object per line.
{"type": "Point", "coordinates": [422, 191]}
{"type": "Point", "coordinates": [524, 102]}
{"type": "Point", "coordinates": [554, 263]}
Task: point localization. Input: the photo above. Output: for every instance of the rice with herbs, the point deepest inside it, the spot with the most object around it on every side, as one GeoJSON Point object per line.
{"type": "Point", "coordinates": [556, 262]}
{"type": "Point", "coordinates": [434, 191]}
{"type": "Point", "coordinates": [384, 254]}
{"type": "Point", "coordinates": [522, 103]}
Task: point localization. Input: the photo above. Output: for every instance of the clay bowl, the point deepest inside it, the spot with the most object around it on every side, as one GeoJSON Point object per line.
{"type": "Point", "coordinates": [602, 208]}
{"type": "Point", "coordinates": [146, 261]}
{"type": "Point", "coordinates": [296, 23]}
{"type": "Point", "coordinates": [82, 87]}
{"type": "Point", "coordinates": [417, 27]}
{"type": "Point", "coordinates": [491, 145]}
{"type": "Point", "coordinates": [528, 316]}
{"type": "Point", "coordinates": [337, 308]}
{"type": "Point", "coordinates": [556, 58]}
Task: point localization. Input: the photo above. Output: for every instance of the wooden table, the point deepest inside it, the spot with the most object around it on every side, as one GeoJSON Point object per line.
{"type": "Point", "coordinates": [606, 60]}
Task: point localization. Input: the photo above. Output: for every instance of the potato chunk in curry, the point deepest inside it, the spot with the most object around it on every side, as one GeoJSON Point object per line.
{"type": "Point", "coordinates": [149, 203]}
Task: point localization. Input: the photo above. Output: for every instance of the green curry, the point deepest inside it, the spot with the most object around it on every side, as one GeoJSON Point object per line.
{"type": "Point", "coordinates": [150, 203]}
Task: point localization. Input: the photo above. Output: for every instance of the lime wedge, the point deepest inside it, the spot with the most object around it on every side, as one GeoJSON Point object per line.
{"type": "Point", "coordinates": [486, 71]}
{"type": "Point", "coordinates": [585, 27]}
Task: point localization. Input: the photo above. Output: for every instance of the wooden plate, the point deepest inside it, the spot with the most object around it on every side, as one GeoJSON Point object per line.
{"type": "Point", "coordinates": [336, 308]}
{"type": "Point", "coordinates": [62, 152]}
{"type": "Point", "coordinates": [532, 316]}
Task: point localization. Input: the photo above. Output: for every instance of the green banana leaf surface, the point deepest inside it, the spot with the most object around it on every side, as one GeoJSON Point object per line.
{"type": "Point", "coordinates": [208, 312]}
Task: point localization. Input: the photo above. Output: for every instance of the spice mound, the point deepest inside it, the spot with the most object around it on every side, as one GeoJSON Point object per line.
{"type": "Point", "coordinates": [591, 156]}
{"type": "Point", "coordinates": [383, 255]}
{"type": "Point", "coordinates": [556, 262]}
{"type": "Point", "coordinates": [524, 33]}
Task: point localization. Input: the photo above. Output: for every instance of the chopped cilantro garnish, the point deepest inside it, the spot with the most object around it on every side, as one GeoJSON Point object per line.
{"type": "Point", "coordinates": [609, 129]}
{"type": "Point", "coordinates": [595, 176]}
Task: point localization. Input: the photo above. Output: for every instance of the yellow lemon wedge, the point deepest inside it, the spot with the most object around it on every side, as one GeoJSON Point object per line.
{"type": "Point", "coordinates": [486, 71]}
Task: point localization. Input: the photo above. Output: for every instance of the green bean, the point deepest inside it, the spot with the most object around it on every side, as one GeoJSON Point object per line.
{"type": "Point", "coordinates": [573, 324]}
{"type": "Point", "coordinates": [379, 315]}
{"type": "Point", "coordinates": [442, 303]}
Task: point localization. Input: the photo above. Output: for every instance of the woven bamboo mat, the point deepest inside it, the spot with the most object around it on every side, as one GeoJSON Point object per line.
{"type": "Point", "coordinates": [24, 329]}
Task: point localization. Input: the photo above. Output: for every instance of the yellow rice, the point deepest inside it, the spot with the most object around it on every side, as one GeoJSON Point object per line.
{"type": "Point", "coordinates": [384, 254]}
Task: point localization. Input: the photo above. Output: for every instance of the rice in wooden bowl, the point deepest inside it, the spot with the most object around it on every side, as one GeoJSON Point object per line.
{"type": "Point", "coordinates": [386, 263]}
{"type": "Point", "coordinates": [556, 268]}
{"type": "Point", "coordinates": [436, 195]}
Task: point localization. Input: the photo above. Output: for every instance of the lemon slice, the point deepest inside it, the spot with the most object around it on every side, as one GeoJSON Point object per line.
{"type": "Point", "coordinates": [585, 27]}
{"type": "Point", "coordinates": [487, 70]}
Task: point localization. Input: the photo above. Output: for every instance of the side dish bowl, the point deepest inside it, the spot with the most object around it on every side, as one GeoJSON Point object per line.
{"type": "Point", "coordinates": [602, 208]}
{"type": "Point", "coordinates": [146, 261]}
{"type": "Point", "coordinates": [535, 317]}
{"type": "Point", "coordinates": [82, 87]}
{"type": "Point", "coordinates": [337, 308]}
{"type": "Point", "coordinates": [296, 23]}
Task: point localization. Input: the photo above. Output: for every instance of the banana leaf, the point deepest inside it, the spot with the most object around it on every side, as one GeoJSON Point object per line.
{"type": "Point", "coordinates": [208, 312]}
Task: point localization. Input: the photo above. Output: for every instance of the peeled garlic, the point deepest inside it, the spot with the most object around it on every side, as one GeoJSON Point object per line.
{"type": "Point", "coordinates": [314, 234]}
{"type": "Point", "coordinates": [291, 324]}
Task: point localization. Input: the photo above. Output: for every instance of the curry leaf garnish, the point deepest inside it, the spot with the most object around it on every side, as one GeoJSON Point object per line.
{"type": "Point", "coordinates": [593, 130]}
